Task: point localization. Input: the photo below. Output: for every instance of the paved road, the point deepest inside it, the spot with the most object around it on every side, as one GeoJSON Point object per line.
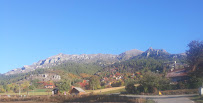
{"type": "Point", "coordinates": [165, 98]}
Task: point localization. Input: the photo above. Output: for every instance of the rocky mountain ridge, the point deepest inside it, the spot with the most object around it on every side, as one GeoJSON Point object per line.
{"type": "Point", "coordinates": [100, 59]}
{"type": "Point", "coordinates": [97, 59]}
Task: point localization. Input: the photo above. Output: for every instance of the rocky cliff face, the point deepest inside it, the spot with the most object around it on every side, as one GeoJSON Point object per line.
{"type": "Point", "coordinates": [155, 52]}
{"type": "Point", "coordinates": [100, 59]}
{"type": "Point", "coordinates": [162, 54]}
{"type": "Point", "coordinates": [45, 77]}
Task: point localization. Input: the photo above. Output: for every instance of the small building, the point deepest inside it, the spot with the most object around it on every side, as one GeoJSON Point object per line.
{"type": "Point", "coordinates": [49, 86]}
{"type": "Point", "coordinates": [77, 91]}
{"type": "Point", "coordinates": [108, 83]}
{"type": "Point", "coordinates": [178, 75]}
{"type": "Point", "coordinates": [55, 91]}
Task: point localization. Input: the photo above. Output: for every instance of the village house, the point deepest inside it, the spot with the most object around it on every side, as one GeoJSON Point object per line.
{"type": "Point", "coordinates": [118, 77]}
{"type": "Point", "coordinates": [77, 91]}
{"type": "Point", "coordinates": [108, 83]}
{"type": "Point", "coordinates": [178, 75]}
{"type": "Point", "coordinates": [49, 86]}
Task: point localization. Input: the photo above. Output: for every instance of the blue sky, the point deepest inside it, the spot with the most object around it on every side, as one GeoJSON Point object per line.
{"type": "Point", "coordinates": [31, 30]}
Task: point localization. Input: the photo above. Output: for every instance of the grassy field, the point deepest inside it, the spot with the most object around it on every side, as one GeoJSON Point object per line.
{"type": "Point", "coordinates": [107, 90]}
{"type": "Point", "coordinates": [99, 96]}
{"type": "Point", "coordinates": [48, 91]}
{"type": "Point", "coordinates": [29, 93]}
{"type": "Point", "coordinates": [115, 91]}
{"type": "Point", "coordinates": [34, 92]}
{"type": "Point", "coordinates": [45, 91]}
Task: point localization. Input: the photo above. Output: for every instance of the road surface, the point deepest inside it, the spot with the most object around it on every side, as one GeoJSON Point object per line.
{"type": "Point", "coordinates": [166, 98]}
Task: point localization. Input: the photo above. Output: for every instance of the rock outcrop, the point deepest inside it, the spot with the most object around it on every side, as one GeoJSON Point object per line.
{"type": "Point", "coordinates": [45, 77]}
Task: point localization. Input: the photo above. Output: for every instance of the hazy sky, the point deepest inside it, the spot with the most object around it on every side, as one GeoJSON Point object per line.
{"type": "Point", "coordinates": [31, 30]}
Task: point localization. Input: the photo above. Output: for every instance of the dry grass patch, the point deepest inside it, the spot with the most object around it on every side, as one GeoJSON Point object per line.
{"type": "Point", "coordinates": [84, 98]}
{"type": "Point", "coordinates": [180, 91]}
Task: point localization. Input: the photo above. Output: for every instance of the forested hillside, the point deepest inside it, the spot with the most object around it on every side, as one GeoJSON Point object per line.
{"type": "Point", "coordinates": [150, 60]}
{"type": "Point", "coordinates": [63, 69]}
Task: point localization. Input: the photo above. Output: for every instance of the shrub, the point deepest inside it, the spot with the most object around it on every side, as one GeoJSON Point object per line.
{"type": "Point", "coordinates": [130, 88]}
{"type": "Point", "coordinates": [152, 80]}
{"type": "Point", "coordinates": [195, 82]}
{"type": "Point", "coordinates": [181, 85]}
{"type": "Point", "coordinates": [139, 89]}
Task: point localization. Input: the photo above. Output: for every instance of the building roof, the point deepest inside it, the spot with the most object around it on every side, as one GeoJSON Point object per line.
{"type": "Point", "coordinates": [177, 73]}
{"type": "Point", "coordinates": [79, 89]}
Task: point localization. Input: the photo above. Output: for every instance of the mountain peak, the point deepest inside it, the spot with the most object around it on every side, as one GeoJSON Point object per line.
{"type": "Point", "coordinates": [133, 51]}
{"type": "Point", "coordinates": [150, 48]}
{"type": "Point", "coordinates": [155, 52]}
{"type": "Point", "coordinates": [130, 53]}
{"type": "Point", "coordinates": [60, 54]}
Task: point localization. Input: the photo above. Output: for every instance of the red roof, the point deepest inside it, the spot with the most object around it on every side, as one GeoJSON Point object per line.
{"type": "Point", "coordinates": [138, 73]}
{"type": "Point", "coordinates": [177, 73]}
{"type": "Point", "coordinates": [46, 84]}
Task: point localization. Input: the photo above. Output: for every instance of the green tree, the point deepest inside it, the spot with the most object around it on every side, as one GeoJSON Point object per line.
{"type": "Point", "coordinates": [195, 81]}
{"type": "Point", "coordinates": [35, 83]}
{"type": "Point", "coordinates": [94, 83]}
{"type": "Point", "coordinates": [64, 85]}
{"type": "Point", "coordinates": [152, 81]}
{"type": "Point", "coordinates": [2, 90]}
{"type": "Point", "coordinates": [195, 61]}
{"type": "Point", "coordinates": [16, 88]}
{"type": "Point", "coordinates": [130, 88]}
{"type": "Point", "coordinates": [31, 87]}
{"type": "Point", "coordinates": [195, 55]}
{"type": "Point", "coordinates": [7, 87]}
{"type": "Point", "coordinates": [25, 86]}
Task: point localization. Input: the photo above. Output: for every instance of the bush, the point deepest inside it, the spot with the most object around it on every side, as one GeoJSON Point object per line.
{"type": "Point", "coordinates": [181, 85]}
{"type": "Point", "coordinates": [139, 89]}
{"type": "Point", "coordinates": [130, 88]}
{"type": "Point", "coordinates": [195, 82]}
{"type": "Point", "coordinates": [150, 81]}
{"type": "Point", "coordinates": [117, 83]}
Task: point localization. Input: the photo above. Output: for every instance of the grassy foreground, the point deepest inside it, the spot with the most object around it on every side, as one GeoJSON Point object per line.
{"type": "Point", "coordinates": [42, 95]}
{"type": "Point", "coordinates": [69, 98]}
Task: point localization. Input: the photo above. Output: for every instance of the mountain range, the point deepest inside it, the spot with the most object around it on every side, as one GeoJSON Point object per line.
{"type": "Point", "coordinates": [102, 60]}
